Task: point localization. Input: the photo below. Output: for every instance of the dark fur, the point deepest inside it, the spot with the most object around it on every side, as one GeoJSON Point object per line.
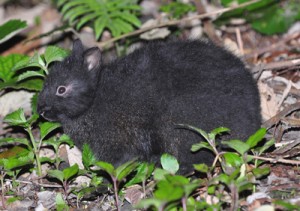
{"type": "Point", "coordinates": [130, 107]}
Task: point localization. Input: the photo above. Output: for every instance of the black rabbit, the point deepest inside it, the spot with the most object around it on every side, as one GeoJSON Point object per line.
{"type": "Point", "coordinates": [131, 107]}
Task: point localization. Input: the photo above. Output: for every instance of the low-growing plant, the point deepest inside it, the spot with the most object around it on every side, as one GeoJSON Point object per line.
{"type": "Point", "coordinates": [177, 9]}
{"type": "Point", "coordinates": [118, 16]}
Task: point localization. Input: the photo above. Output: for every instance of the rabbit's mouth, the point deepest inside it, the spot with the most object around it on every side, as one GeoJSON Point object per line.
{"type": "Point", "coordinates": [48, 114]}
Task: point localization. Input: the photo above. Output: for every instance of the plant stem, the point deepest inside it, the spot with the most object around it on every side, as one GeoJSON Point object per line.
{"type": "Point", "coordinates": [116, 191]}
{"type": "Point", "coordinates": [183, 201]}
{"type": "Point", "coordinates": [36, 151]}
{"type": "Point", "coordinates": [2, 190]}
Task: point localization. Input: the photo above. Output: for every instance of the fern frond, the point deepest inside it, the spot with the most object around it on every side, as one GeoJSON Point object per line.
{"type": "Point", "coordinates": [118, 16]}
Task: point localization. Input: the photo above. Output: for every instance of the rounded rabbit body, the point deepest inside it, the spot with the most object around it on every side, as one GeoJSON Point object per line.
{"type": "Point", "coordinates": [132, 106]}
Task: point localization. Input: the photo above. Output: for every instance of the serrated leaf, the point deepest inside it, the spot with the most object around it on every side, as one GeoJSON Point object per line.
{"type": "Point", "coordinates": [34, 84]}
{"type": "Point", "coordinates": [109, 168]}
{"type": "Point", "coordinates": [256, 137]}
{"type": "Point", "coordinates": [16, 118]}
{"type": "Point", "coordinates": [54, 53]}
{"type": "Point", "coordinates": [11, 28]}
{"type": "Point", "coordinates": [29, 74]}
{"type": "Point", "coordinates": [47, 127]}
{"type": "Point", "coordinates": [88, 157]}
{"type": "Point", "coordinates": [6, 65]}
{"type": "Point", "coordinates": [65, 139]}
{"type": "Point", "coordinates": [130, 18]}
{"type": "Point", "coordinates": [56, 174]}
{"type": "Point", "coordinates": [169, 163]}
{"type": "Point", "coordinates": [125, 169]}
{"type": "Point", "coordinates": [237, 145]}
{"type": "Point", "coordinates": [70, 172]}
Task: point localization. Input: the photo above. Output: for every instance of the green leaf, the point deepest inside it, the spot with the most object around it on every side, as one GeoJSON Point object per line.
{"type": "Point", "coordinates": [201, 145]}
{"type": "Point", "coordinates": [6, 65]}
{"type": "Point", "coordinates": [7, 141]}
{"type": "Point", "coordinates": [256, 138]}
{"type": "Point", "coordinates": [266, 146]}
{"type": "Point", "coordinates": [29, 74]}
{"type": "Point", "coordinates": [169, 163]}
{"type": "Point", "coordinates": [167, 192]}
{"type": "Point", "coordinates": [160, 174]}
{"type": "Point", "coordinates": [11, 28]}
{"type": "Point", "coordinates": [146, 203]}
{"type": "Point", "coordinates": [47, 160]}
{"type": "Point", "coordinates": [54, 53]}
{"type": "Point", "coordinates": [260, 172]}
{"type": "Point", "coordinates": [100, 24]}
{"type": "Point", "coordinates": [16, 118]}
{"type": "Point", "coordinates": [201, 167]}
{"type": "Point", "coordinates": [88, 157]}
{"type": "Point", "coordinates": [232, 159]}
{"type": "Point", "coordinates": [217, 131]}
{"type": "Point", "coordinates": [109, 168]}
{"type": "Point", "coordinates": [198, 130]}
{"type": "Point", "coordinates": [125, 169]}
{"type": "Point", "coordinates": [143, 171]}
{"type": "Point", "coordinates": [19, 161]}
{"type": "Point", "coordinates": [65, 139]}
{"type": "Point", "coordinates": [237, 145]}
{"type": "Point", "coordinates": [56, 174]}
{"type": "Point", "coordinates": [61, 205]}
{"type": "Point", "coordinates": [70, 172]}
{"type": "Point", "coordinates": [47, 127]}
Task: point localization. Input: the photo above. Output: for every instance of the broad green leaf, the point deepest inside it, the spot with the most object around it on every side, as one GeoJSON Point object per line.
{"type": "Point", "coordinates": [11, 28]}
{"type": "Point", "coordinates": [256, 138]}
{"type": "Point", "coordinates": [232, 159]}
{"type": "Point", "coordinates": [109, 168]}
{"type": "Point", "coordinates": [169, 163]}
{"type": "Point", "coordinates": [198, 130]}
{"type": "Point", "coordinates": [16, 118]}
{"type": "Point", "coordinates": [6, 65]}
{"type": "Point", "coordinates": [61, 205]}
{"type": "Point", "coordinates": [54, 53]}
{"type": "Point", "coordinates": [167, 192]}
{"type": "Point", "coordinates": [237, 145]}
{"type": "Point", "coordinates": [125, 169]}
{"type": "Point", "coordinates": [47, 160]}
{"type": "Point", "coordinates": [160, 174]}
{"type": "Point", "coordinates": [88, 157]}
{"type": "Point", "coordinates": [34, 84]}
{"type": "Point", "coordinates": [47, 127]}
{"type": "Point", "coordinates": [65, 139]}
{"type": "Point", "coordinates": [201, 167]}
{"type": "Point", "coordinates": [56, 174]}
{"type": "Point", "coordinates": [201, 145]}
{"type": "Point", "coordinates": [70, 172]}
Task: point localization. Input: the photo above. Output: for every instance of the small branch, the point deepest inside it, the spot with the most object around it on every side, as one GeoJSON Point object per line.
{"type": "Point", "coordinates": [279, 160]}
{"type": "Point", "coordinates": [176, 22]}
{"type": "Point", "coordinates": [275, 119]}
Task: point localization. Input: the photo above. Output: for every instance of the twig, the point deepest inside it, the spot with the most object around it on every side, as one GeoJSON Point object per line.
{"type": "Point", "coordinates": [176, 22]}
{"type": "Point", "coordinates": [279, 160]}
{"type": "Point", "coordinates": [275, 119]}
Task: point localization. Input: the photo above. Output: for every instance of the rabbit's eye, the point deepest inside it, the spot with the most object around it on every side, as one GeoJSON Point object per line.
{"type": "Point", "coordinates": [61, 90]}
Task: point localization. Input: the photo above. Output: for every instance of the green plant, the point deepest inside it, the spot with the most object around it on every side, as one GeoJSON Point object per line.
{"type": "Point", "coordinates": [11, 28]}
{"type": "Point", "coordinates": [266, 16]}
{"type": "Point", "coordinates": [177, 9]}
{"type": "Point", "coordinates": [65, 177]}
{"type": "Point", "coordinates": [119, 16]}
{"type": "Point", "coordinates": [23, 72]}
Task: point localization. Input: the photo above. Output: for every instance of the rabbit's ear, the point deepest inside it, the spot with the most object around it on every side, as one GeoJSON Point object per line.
{"type": "Point", "coordinates": [92, 58]}
{"type": "Point", "coordinates": [77, 47]}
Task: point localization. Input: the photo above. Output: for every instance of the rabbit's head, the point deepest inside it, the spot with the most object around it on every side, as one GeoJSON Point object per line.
{"type": "Point", "coordinates": [70, 87]}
